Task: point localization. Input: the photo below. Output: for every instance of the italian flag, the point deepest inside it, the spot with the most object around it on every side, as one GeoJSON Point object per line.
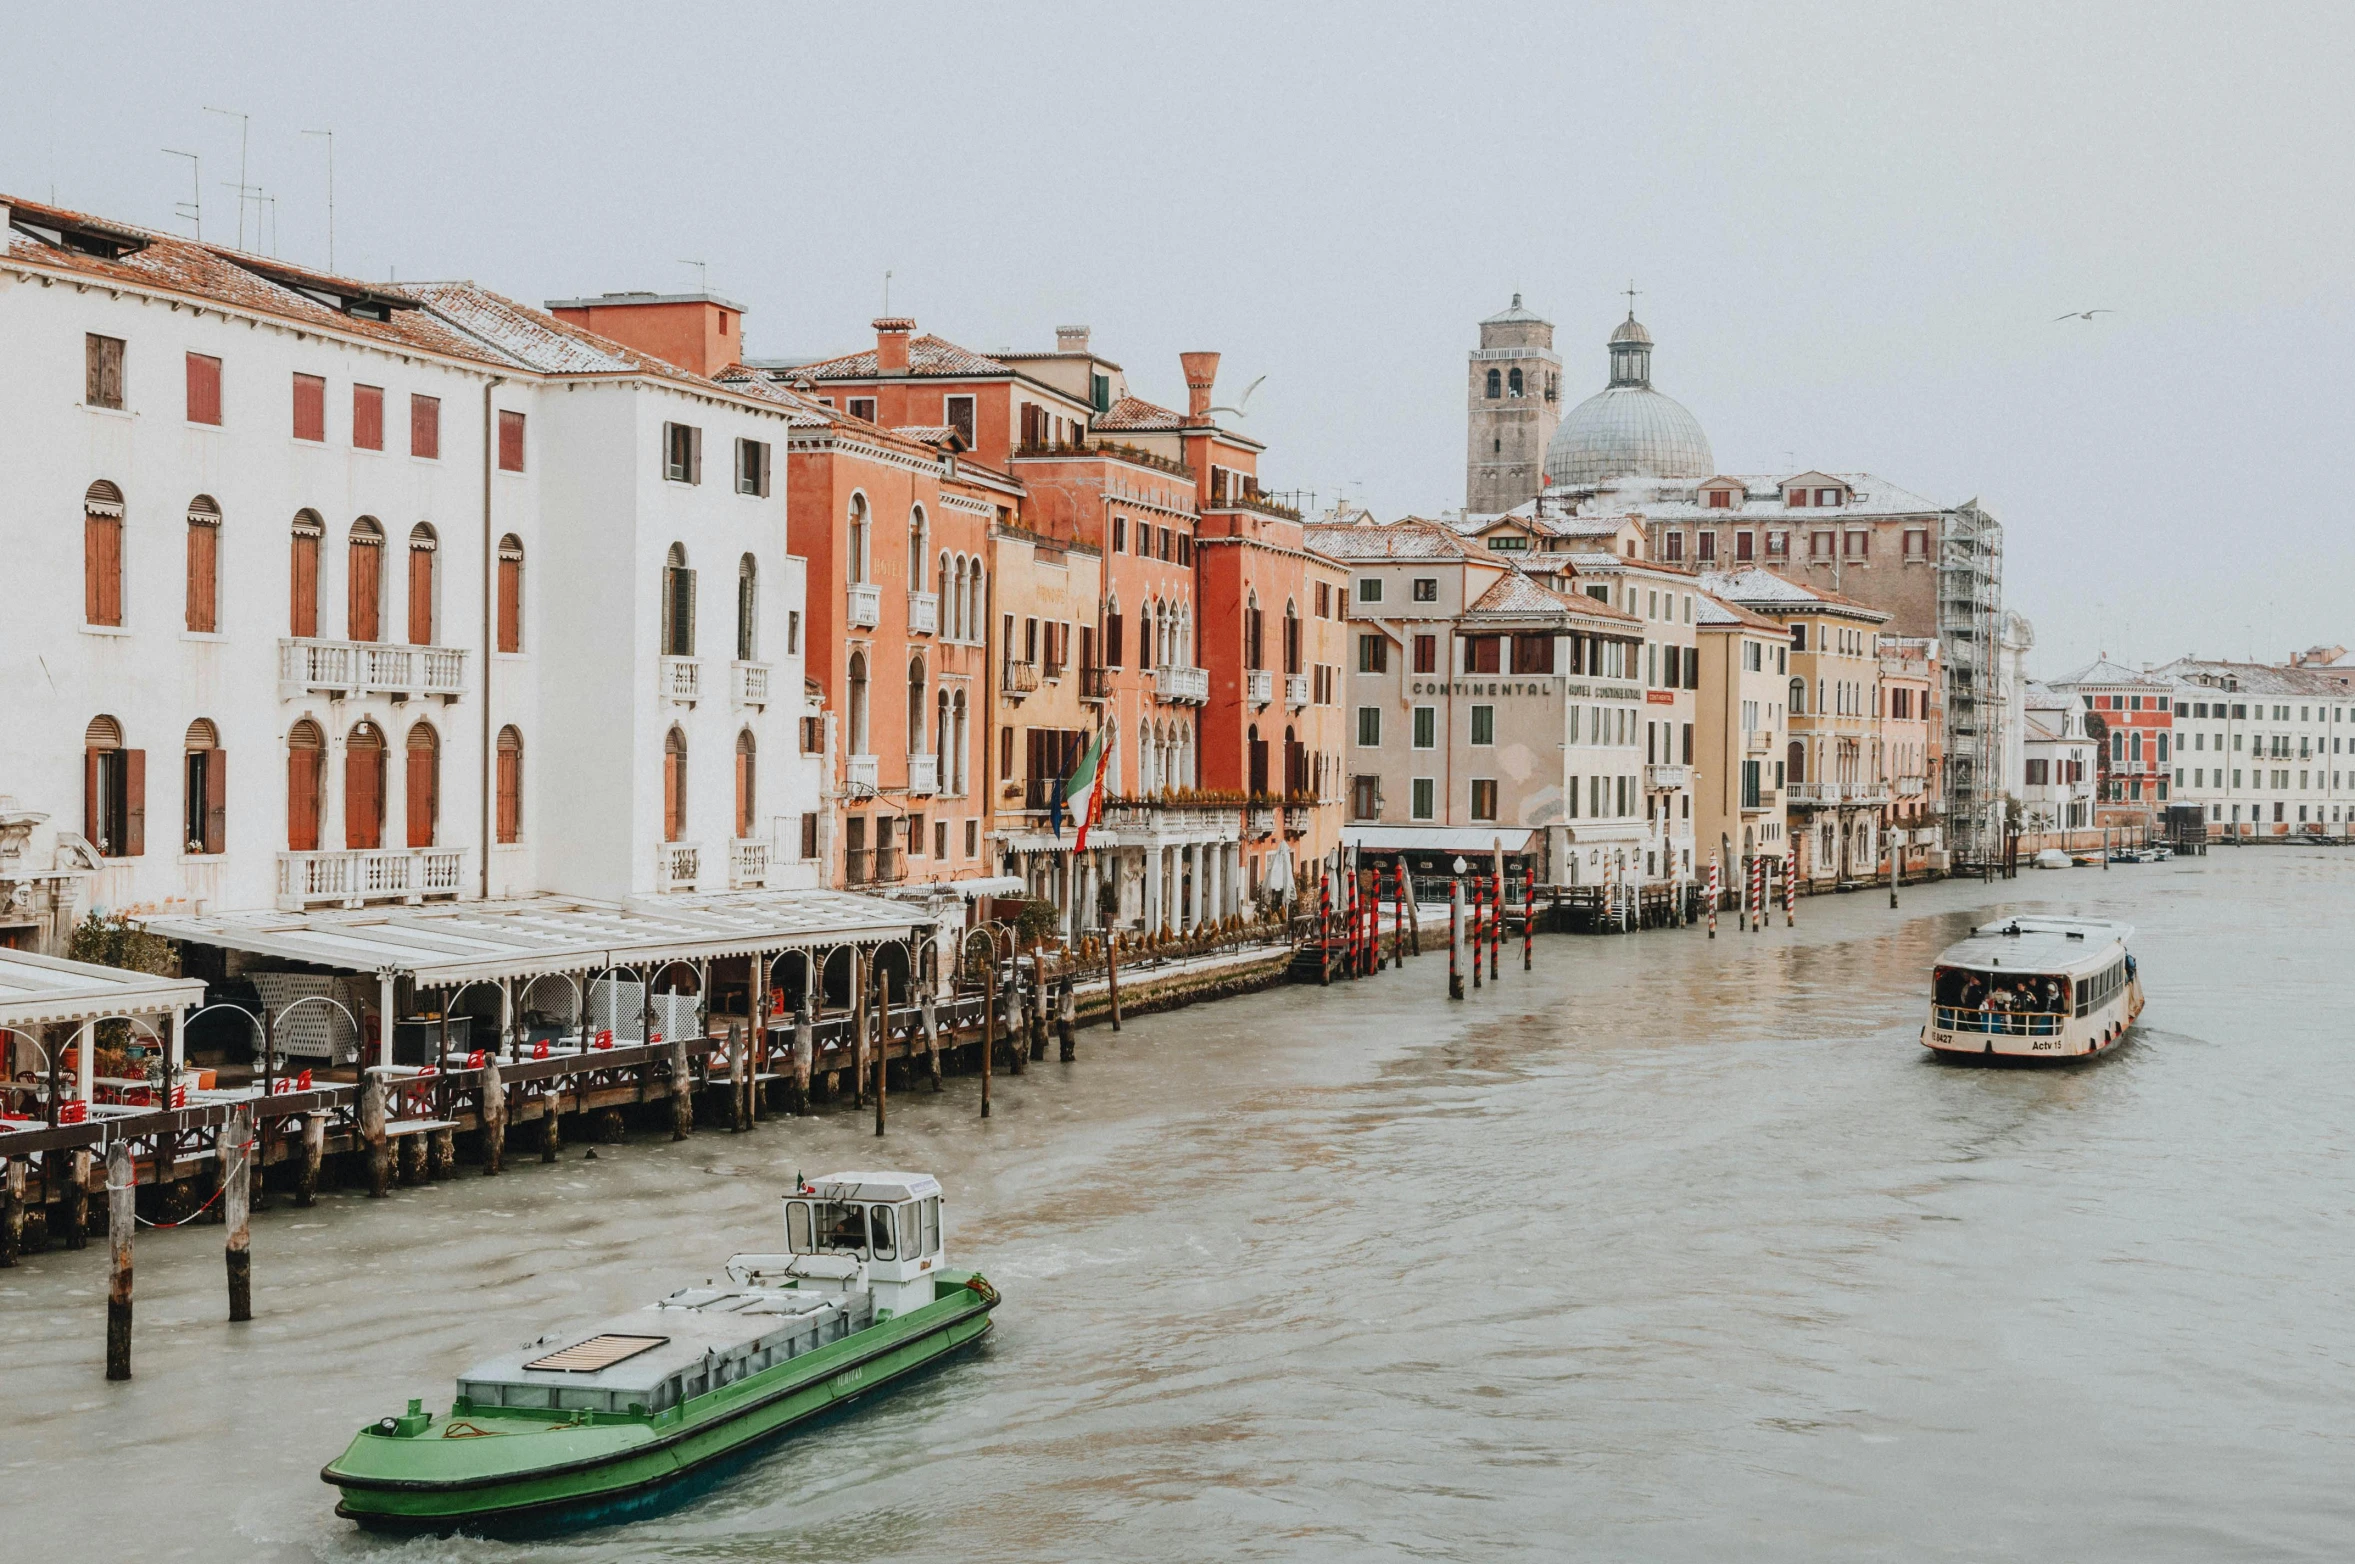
{"type": "Point", "coordinates": [1084, 791]}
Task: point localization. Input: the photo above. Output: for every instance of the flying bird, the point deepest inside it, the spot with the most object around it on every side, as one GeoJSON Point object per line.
{"type": "Point", "coordinates": [2081, 315]}
{"type": "Point", "coordinates": [1237, 410]}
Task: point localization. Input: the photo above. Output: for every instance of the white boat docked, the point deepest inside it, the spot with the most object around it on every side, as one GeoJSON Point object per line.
{"type": "Point", "coordinates": [2035, 988]}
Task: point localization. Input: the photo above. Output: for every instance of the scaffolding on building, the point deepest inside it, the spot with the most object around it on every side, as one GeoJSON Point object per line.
{"type": "Point", "coordinates": [1970, 624]}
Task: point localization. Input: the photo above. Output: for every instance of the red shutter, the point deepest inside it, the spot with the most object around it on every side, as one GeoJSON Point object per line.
{"type": "Point", "coordinates": [424, 790]}
{"type": "Point", "coordinates": [204, 389]}
{"type": "Point", "coordinates": [134, 802]}
{"type": "Point", "coordinates": [510, 790]}
{"type": "Point", "coordinates": [674, 780]}
{"type": "Point", "coordinates": [363, 796]}
{"type": "Point", "coordinates": [420, 595]}
{"type": "Point", "coordinates": [425, 426]}
{"type": "Point", "coordinates": [302, 800]}
{"type": "Point", "coordinates": [204, 541]}
{"type": "Point", "coordinates": [510, 442]}
{"type": "Point", "coordinates": [216, 801]}
{"type": "Point", "coordinates": [744, 759]}
{"type": "Point", "coordinates": [102, 569]}
{"type": "Point", "coordinates": [368, 418]}
{"type": "Point", "coordinates": [367, 570]}
{"type": "Point", "coordinates": [302, 613]}
{"type": "Point", "coordinates": [510, 603]}
{"type": "Point", "coordinates": [310, 408]}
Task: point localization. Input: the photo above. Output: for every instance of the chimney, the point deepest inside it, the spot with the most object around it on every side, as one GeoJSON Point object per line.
{"type": "Point", "coordinates": [1201, 374]}
{"type": "Point", "coordinates": [891, 344]}
{"type": "Point", "coordinates": [1071, 339]}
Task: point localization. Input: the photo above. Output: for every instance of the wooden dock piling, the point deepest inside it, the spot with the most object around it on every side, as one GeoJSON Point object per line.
{"type": "Point", "coordinates": [12, 1210]}
{"type": "Point", "coordinates": [930, 1018]}
{"type": "Point", "coordinates": [122, 1219]}
{"type": "Point", "coordinates": [682, 1091]}
{"type": "Point", "coordinates": [306, 1181]}
{"type": "Point", "coordinates": [77, 1198]}
{"type": "Point", "coordinates": [989, 1030]}
{"type": "Point", "coordinates": [551, 1126]}
{"type": "Point", "coordinates": [805, 1050]}
{"type": "Point", "coordinates": [492, 1115]}
{"type": "Point", "coordinates": [738, 1118]}
{"type": "Point", "coordinates": [882, 1048]}
{"type": "Point", "coordinates": [1066, 1020]}
{"type": "Point", "coordinates": [372, 1137]}
{"type": "Point", "coordinates": [235, 1152]}
{"type": "Point", "coordinates": [1455, 940]}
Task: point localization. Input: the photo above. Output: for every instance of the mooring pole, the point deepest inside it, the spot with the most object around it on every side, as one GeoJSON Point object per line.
{"type": "Point", "coordinates": [1892, 836]}
{"type": "Point", "coordinates": [372, 1135]}
{"type": "Point", "coordinates": [930, 1017]}
{"type": "Point", "coordinates": [1108, 905]}
{"type": "Point", "coordinates": [882, 1045]}
{"type": "Point", "coordinates": [1455, 938]}
{"type": "Point", "coordinates": [1066, 1019]}
{"type": "Point", "coordinates": [1529, 919]}
{"type": "Point", "coordinates": [122, 1193]}
{"type": "Point", "coordinates": [1325, 926]}
{"type": "Point", "coordinates": [1790, 891]}
{"type": "Point", "coordinates": [12, 1210]}
{"type": "Point", "coordinates": [682, 1092]}
{"type": "Point", "coordinates": [1477, 930]}
{"type": "Point", "coordinates": [989, 1025]}
{"type": "Point", "coordinates": [235, 1151]}
{"type": "Point", "coordinates": [1038, 1002]}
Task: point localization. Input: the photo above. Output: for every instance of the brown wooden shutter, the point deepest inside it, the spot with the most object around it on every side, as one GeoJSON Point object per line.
{"type": "Point", "coordinates": [204, 544]}
{"type": "Point", "coordinates": [363, 795]}
{"type": "Point", "coordinates": [93, 801]}
{"type": "Point", "coordinates": [368, 418]}
{"type": "Point", "coordinates": [302, 612]}
{"type": "Point", "coordinates": [420, 593]}
{"type": "Point", "coordinates": [310, 408]}
{"type": "Point", "coordinates": [510, 601]}
{"type": "Point", "coordinates": [367, 572]}
{"type": "Point", "coordinates": [102, 569]}
{"type": "Point", "coordinates": [425, 426]}
{"type": "Point", "coordinates": [216, 801]}
{"type": "Point", "coordinates": [744, 781]}
{"type": "Point", "coordinates": [424, 787]}
{"type": "Point", "coordinates": [134, 802]}
{"type": "Point", "coordinates": [302, 800]}
{"type": "Point", "coordinates": [510, 785]}
{"type": "Point", "coordinates": [674, 788]}
{"type": "Point", "coordinates": [204, 389]}
{"type": "Point", "coordinates": [694, 454]}
{"type": "Point", "coordinates": [510, 441]}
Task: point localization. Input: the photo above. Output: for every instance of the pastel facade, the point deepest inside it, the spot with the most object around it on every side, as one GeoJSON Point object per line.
{"type": "Point", "coordinates": [1742, 729]}
{"type": "Point", "coordinates": [2266, 750]}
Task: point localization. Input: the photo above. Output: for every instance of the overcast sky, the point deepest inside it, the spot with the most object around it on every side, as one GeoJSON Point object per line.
{"type": "Point", "coordinates": [1852, 225]}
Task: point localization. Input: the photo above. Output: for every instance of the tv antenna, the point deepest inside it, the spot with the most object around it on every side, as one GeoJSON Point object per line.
{"type": "Point", "coordinates": [702, 275]}
{"type": "Point", "coordinates": [244, 129]}
{"type": "Point", "coordinates": [330, 135]}
{"type": "Point", "coordinates": [193, 208]}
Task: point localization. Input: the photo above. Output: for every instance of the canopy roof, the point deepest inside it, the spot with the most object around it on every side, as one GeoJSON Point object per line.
{"type": "Point", "coordinates": [1436, 838]}
{"type": "Point", "coordinates": [39, 990]}
{"type": "Point", "coordinates": [461, 941]}
{"type": "Point", "coordinates": [2040, 945]}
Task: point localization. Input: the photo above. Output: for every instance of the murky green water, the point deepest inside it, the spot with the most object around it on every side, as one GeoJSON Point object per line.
{"type": "Point", "coordinates": [1670, 1250]}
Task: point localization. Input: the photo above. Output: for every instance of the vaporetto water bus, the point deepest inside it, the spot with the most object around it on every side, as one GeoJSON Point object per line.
{"type": "Point", "coordinates": [2035, 988]}
{"type": "Point", "coordinates": [595, 1424]}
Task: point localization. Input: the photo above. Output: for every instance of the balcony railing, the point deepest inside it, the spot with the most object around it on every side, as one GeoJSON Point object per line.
{"type": "Point", "coordinates": [357, 875]}
{"type": "Point", "coordinates": [750, 685]}
{"type": "Point", "coordinates": [1765, 800]}
{"type": "Point", "coordinates": [1263, 820]}
{"type": "Point", "coordinates": [748, 864]}
{"type": "Point", "coordinates": [1259, 686]}
{"type": "Point", "coordinates": [369, 668]}
{"type": "Point", "coordinates": [923, 613]}
{"type": "Point", "coordinates": [1296, 690]}
{"type": "Point", "coordinates": [1665, 778]}
{"type": "Point", "coordinates": [1020, 678]}
{"type": "Point", "coordinates": [1911, 787]}
{"type": "Point", "coordinates": [923, 773]}
{"type": "Point", "coordinates": [866, 604]}
{"type": "Point", "coordinates": [1815, 792]}
{"type": "Point", "coordinates": [676, 865]}
{"type": "Point", "coordinates": [858, 866]}
{"type": "Point", "coordinates": [1758, 741]}
{"type": "Point", "coordinates": [682, 680]}
{"type": "Point", "coordinates": [1095, 684]}
{"type": "Point", "coordinates": [861, 773]}
{"type": "Point", "coordinates": [1175, 682]}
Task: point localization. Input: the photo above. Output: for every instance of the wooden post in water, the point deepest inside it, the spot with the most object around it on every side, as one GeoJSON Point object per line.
{"type": "Point", "coordinates": [372, 1136]}
{"type": "Point", "coordinates": [77, 1196]}
{"type": "Point", "coordinates": [1324, 926]}
{"type": "Point", "coordinates": [1455, 939]}
{"type": "Point", "coordinates": [1529, 918]}
{"type": "Point", "coordinates": [1892, 836]}
{"type": "Point", "coordinates": [1715, 865]}
{"type": "Point", "coordinates": [551, 1123]}
{"type": "Point", "coordinates": [491, 1114]}
{"type": "Point", "coordinates": [929, 1015]}
{"type": "Point", "coordinates": [882, 1046]}
{"type": "Point", "coordinates": [122, 1194]}
{"type": "Point", "coordinates": [306, 1178]}
{"type": "Point", "coordinates": [1038, 1002]}
{"type": "Point", "coordinates": [1108, 906]}
{"type": "Point", "coordinates": [1790, 892]}
{"type": "Point", "coordinates": [805, 1046]}
{"type": "Point", "coordinates": [737, 1124]}
{"type": "Point", "coordinates": [1026, 1009]}
{"type": "Point", "coordinates": [1496, 921]}
{"type": "Point", "coordinates": [682, 1090]}
{"type": "Point", "coordinates": [860, 975]}
{"type": "Point", "coordinates": [12, 1210]}
{"type": "Point", "coordinates": [235, 1152]}
{"type": "Point", "coordinates": [989, 1025]}
{"type": "Point", "coordinates": [1066, 1018]}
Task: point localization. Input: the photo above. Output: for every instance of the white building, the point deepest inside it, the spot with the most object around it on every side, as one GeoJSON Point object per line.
{"type": "Point", "coordinates": [2265, 749]}
{"type": "Point", "coordinates": [2058, 765]}
{"type": "Point", "coordinates": [329, 593]}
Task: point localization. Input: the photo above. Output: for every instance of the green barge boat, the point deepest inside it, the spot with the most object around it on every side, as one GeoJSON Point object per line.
{"type": "Point", "coordinates": [598, 1424]}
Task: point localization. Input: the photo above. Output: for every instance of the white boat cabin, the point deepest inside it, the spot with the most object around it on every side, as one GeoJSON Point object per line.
{"type": "Point", "coordinates": [887, 1224]}
{"type": "Point", "coordinates": [2035, 986]}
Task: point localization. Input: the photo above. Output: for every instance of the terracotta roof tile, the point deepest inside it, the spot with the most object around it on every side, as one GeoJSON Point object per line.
{"type": "Point", "coordinates": [927, 355]}
{"type": "Point", "coordinates": [1135, 414]}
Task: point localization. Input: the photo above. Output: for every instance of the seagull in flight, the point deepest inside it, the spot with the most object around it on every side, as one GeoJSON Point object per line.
{"type": "Point", "coordinates": [2081, 315]}
{"type": "Point", "coordinates": [1238, 409]}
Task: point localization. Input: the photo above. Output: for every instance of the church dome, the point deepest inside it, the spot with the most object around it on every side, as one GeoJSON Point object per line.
{"type": "Point", "coordinates": [1627, 429]}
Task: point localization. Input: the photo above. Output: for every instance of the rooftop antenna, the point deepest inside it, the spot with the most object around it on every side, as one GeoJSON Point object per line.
{"type": "Point", "coordinates": [702, 275]}
{"type": "Point", "coordinates": [330, 135]}
{"type": "Point", "coordinates": [244, 125]}
{"type": "Point", "coordinates": [193, 208]}
{"type": "Point", "coordinates": [271, 202]}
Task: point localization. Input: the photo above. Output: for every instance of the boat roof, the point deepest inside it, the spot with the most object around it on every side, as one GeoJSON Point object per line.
{"type": "Point", "coordinates": [636, 1352]}
{"type": "Point", "coordinates": [2039, 944]}
{"type": "Point", "coordinates": [883, 1186]}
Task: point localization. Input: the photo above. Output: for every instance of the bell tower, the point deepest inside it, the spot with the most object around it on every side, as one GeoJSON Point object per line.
{"type": "Point", "coordinates": [1513, 399]}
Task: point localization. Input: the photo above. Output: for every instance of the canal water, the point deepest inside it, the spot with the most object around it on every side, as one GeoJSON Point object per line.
{"type": "Point", "coordinates": [1669, 1250]}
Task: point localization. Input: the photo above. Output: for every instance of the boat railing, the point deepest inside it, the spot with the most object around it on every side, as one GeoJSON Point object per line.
{"type": "Point", "coordinates": [2001, 1023]}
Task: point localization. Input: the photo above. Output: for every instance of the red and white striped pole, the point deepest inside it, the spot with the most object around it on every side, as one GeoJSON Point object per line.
{"type": "Point", "coordinates": [1714, 866]}
{"type": "Point", "coordinates": [1790, 895]}
{"type": "Point", "coordinates": [1528, 915]}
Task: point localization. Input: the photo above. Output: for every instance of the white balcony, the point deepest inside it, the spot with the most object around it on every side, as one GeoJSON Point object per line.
{"type": "Point", "coordinates": [1663, 779]}
{"type": "Point", "coordinates": [340, 668]}
{"type": "Point", "coordinates": [866, 604]}
{"type": "Point", "coordinates": [1178, 683]}
{"type": "Point", "coordinates": [923, 773]}
{"type": "Point", "coordinates": [1259, 686]}
{"type": "Point", "coordinates": [923, 613]}
{"type": "Point", "coordinates": [1758, 741]}
{"type": "Point", "coordinates": [356, 875]}
{"type": "Point", "coordinates": [1262, 821]}
{"type": "Point", "coordinates": [861, 774]}
{"type": "Point", "coordinates": [748, 864]}
{"type": "Point", "coordinates": [676, 865]}
{"type": "Point", "coordinates": [1911, 787]}
{"type": "Point", "coordinates": [681, 680]}
{"type": "Point", "coordinates": [1814, 792]}
{"type": "Point", "coordinates": [1296, 690]}
{"type": "Point", "coordinates": [1021, 678]}
{"type": "Point", "coordinates": [749, 685]}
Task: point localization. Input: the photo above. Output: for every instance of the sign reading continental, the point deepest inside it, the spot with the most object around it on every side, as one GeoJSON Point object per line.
{"type": "Point", "coordinates": [1554, 687]}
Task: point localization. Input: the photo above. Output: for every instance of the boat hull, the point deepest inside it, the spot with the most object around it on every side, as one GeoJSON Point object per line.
{"type": "Point", "coordinates": [484, 1472]}
{"type": "Point", "coordinates": [2082, 1039]}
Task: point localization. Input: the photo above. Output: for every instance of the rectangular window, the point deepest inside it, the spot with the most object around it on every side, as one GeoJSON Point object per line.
{"type": "Point", "coordinates": [102, 365]}
{"type": "Point", "coordinates": [1484, 725]}
{"type": "Point", "coordinates": [1426, 589]}
{"type": "Point", "coordinates": [1369, 589]}
{"type": "Point", "coordinates": [1819, 545]}
{"type": "Point", "coordinates": [1533, 653]}
{"type": "Point", "coordinates": [1426, 654]}
{"type": "Point", "coordinates": [1423, 796]}
{"type": "Point", "coordinates": [367, 418]}
{"type": "Point", "coordinates": [1369, 727]}
{"type": "Point", "coordinates": [1483, 654]}
{"type": "Point", "coordinates": [1484, 798]}
{"type": "Point", "coordinates": [310, 408]}
{"type": "Point", "coordinates": [1675, 542]}
{"type": "Point", "coordinates": [425, 427]}
{"type": "Point", "coordinates": [1426, 727]}
{"type": "Point", "coordinates": [1324, 599]}
{"type": "Point", "coordinates": [1365, 798]}
{"type": "Point", "coordinates": [1373, 654]}
{"type": "Point", "coordinates": [1721, 499]}
{"type": "Point", "coordinates": [972, 838]}
{"type": "Point", "coordinates": [752, 467]}
{"type": "Point", "coordinates": [682, 453]}
{"type": "Point", "coordinates": [1745, 547]}
{"type": "Point", "coordinates": [863, 407]}
{"type": "Point", "coordinates": [510, 441]}
{"type": "Point", "coordinates": [809, 836]}
{"type": "Point", "coordinates": [1708, 548]}
{"type": "Point", "coordinates": [204, 389]}
{"type": "Point", "coordinates": [1120, 534]}
{"type": "Point", "coordinates": [957, 413]}
{"type": "Point", "coordinates": [510, 629]}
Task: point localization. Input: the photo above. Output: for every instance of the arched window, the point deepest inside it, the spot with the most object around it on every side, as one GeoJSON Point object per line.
{"type": "Point", "coordinates": [102, 554]}
{"type": "Point", "coordinates": [1796, 762]}
{"type": "Point", "coordinates": [204, 565]}
{"type": "Point", "coordinates": [510, 785]}
{"type": "Point", "coordinates": [1496, 385]}
{"type": "Point", "coordinates": [919, 540]}
{"type": "Point", "coordinates": [1255, 749]}
{"type": "Point", "coordinates": [511, 593]}
{"type": "Point", "coordinates": [1147, 622]}
{"type": "Point", "coordinates": [747, 784]}
{"type": "Point", "coordinates": [1513, 383]}
{"type": "Point", "coordinates": [855, 556]}
{"type": "Point", "coordinates": [1291, 638]}
{"type": "Point", "coordinates": [916, 694]}
{"type": "Point", "coordinates": [1798, 697]}
{"type": "Point", "coordinates": [421, 615]}
{"type": "Point", "coordinates": [961, 746]}
{"type": "Point", "coordinates": [952, 578]}
{"type": "Point", "coordinates": [678, 604]}
{"type": "Point", "coordinates": [747, 610]}
{"type": "Point", "coordinates": [302, 603]}
{"type": "Point", "coordinates": [977, 590]}
{"type": "Point", "coordinates": [363, 787]}
{"type": "Point", "coordinates": [306, 752]}
{"type": "Point", "coordinates": [944, 740]}
{"type": "Point", "coordinates": [424, 784]}
{"type": "Point", "coordinates": [204, 789]}
{"type": "Point", "coordinates": [1251, 639]}
{"type": "Point", "coordinates": [1144, 749]}
{"type": "Point", "coordinates": [674, 786]}
{"type": "Point", "coordinates": [855, 713]}
{"type": "Point", "coordinates": [363, 620]}
{"type": "Point", "coordinates": [114, 791]}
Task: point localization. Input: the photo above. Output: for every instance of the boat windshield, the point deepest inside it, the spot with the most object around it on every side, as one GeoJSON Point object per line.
{"type": "Point", "coordinates": [825, 1226]}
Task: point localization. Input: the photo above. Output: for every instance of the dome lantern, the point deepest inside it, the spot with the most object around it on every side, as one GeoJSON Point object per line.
{"type": "Point", "coordinates": [1627, 429]}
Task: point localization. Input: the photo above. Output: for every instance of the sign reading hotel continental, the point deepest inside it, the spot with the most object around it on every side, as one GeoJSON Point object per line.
{"type": "Point", "coordinates": [1555, 687]}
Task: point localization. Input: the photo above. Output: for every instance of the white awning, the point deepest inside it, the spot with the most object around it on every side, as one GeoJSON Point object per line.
{"type": "Point", "coordinates": [45, 990]}
{"type": "Point", "coordinates": [1436, 838]}
{"type": "Point", "coordinates": [460, 941]}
